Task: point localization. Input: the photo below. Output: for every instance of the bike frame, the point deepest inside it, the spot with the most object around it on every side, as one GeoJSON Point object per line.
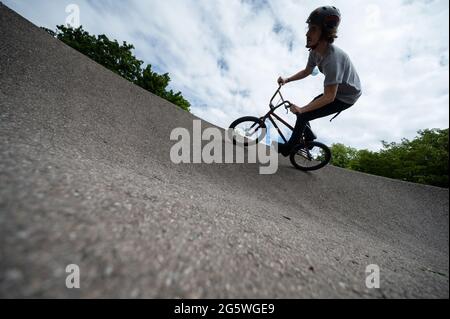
{"type": "Point", "coordinates": [272, 114]}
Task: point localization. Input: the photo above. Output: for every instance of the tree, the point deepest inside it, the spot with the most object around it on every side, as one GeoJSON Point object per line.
{"type": "Point", "coordinates": [119, 59]}
{"type": "Point", "coordinates": [153, 82]}
{"type": "Point", "coordinates": [423, 160]}
{"type": "Point", "coordinates": [342, 155]}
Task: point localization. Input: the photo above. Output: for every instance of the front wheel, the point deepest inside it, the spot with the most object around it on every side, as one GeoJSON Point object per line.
{"type": "Point", "coordinates": [248, 130]}
{"type": "Point", "coordinates": [310, 156]}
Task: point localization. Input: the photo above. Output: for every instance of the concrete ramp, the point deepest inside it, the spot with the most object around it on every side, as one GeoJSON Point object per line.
{"type": "Point", "coordinates": [86, 179]}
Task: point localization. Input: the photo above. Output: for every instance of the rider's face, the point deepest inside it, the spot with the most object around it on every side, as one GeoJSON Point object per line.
{"type": "Point", "coordinates": [313, 35]}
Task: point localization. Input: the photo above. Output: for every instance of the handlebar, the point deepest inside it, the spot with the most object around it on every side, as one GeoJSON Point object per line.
{"type": "Point", "coordinates": [286, 104]}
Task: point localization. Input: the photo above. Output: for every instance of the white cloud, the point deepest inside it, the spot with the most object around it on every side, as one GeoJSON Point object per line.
{"type": "Point", "coordinates": [225, 56]}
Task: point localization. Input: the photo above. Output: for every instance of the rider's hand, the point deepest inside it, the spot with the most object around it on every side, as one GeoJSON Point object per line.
{"type": "Point", "coordinates": [282, 81]}
{"type": "Point", "coordinates": [295, 109]}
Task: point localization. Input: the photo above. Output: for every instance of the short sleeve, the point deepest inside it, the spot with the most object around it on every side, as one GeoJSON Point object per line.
{"type": "Point", "coordinates": [311, 60]}
{"type": "Point", "coordinates": [334, 73]}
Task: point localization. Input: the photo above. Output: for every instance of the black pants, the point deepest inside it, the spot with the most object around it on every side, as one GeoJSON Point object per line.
{"type": "Point", "coordinates": [303, 119]}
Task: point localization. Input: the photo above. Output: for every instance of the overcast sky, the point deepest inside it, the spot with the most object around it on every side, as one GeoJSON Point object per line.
{"type": "Point", "coordinates": [225, 56]}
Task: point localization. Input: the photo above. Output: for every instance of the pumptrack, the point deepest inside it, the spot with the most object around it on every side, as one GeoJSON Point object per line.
{"type": "Point", "coordinates": [86, 179]}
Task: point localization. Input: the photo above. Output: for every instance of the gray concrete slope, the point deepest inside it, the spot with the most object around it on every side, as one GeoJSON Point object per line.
{"type": "Point", "coordinates": [86, 179]}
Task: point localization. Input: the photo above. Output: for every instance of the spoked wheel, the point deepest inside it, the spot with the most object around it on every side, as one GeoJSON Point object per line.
{"type": "Point", "coordinates": [247, 130]}
{"type": "Point", "coordinates": [310, 156]}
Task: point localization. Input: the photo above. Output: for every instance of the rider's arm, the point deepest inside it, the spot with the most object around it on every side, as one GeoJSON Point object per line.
{"type": "Point", "coordinates": [329, 95]}
{"type": "Point", "coordinates": [300, 75]}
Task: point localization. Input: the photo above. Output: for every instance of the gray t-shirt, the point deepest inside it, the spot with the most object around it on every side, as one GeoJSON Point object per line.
{"type": "Point", "coordinates": [338, 69]}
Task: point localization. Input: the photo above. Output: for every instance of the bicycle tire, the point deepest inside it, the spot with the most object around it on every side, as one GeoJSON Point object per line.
{"type": "Point", "coordinates": [305, 149]}
{"type": "Point", "coordinates": [251, 119]}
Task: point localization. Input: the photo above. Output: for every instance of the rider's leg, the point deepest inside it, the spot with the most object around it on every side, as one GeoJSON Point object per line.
{"type": "Point", "coordinates": [302, 119]}
{"type": "Point", "coordinates": [299, 127]}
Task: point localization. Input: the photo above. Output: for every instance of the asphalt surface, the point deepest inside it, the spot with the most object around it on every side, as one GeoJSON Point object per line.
{"type": "Point", "coordinates": [86, 179]}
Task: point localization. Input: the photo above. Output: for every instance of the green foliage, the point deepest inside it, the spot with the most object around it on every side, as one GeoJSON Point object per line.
{"type": "Point", "coordinates": [178, 99]}
{"type": "Point", "coordinates": [119, 59]}
{"type": "Point", "coordinates": [342, 155]}
{"type": "Point", "coordinates": [51, 32]}
{"type": "Point", "coordinates": [153, 82]}
{"type": "Point", "coordinates": [157, 84]}
{"type": "Point", "coordinates": [423, 160]}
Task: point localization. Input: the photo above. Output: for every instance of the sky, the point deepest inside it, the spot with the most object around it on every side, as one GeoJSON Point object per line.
{"type": "Point", "coordinates": [226, 55]}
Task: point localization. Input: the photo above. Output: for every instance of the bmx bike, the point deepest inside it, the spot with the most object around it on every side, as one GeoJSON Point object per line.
{"type": "Point", "coordinates": [306, 155]}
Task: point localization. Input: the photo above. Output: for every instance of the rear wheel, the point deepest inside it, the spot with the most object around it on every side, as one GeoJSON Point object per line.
{"type": "Point", "coordinates": [248, 130]}
{"type": "Point", "coordinates": [310, 156]}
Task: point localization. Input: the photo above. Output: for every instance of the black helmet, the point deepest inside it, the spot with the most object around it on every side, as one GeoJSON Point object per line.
{"type": "Point", "coordinates": [327, 17]}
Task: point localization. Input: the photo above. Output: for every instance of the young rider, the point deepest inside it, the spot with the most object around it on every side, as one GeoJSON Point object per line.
{"type": "Point", "coordinates": [342, 87]}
